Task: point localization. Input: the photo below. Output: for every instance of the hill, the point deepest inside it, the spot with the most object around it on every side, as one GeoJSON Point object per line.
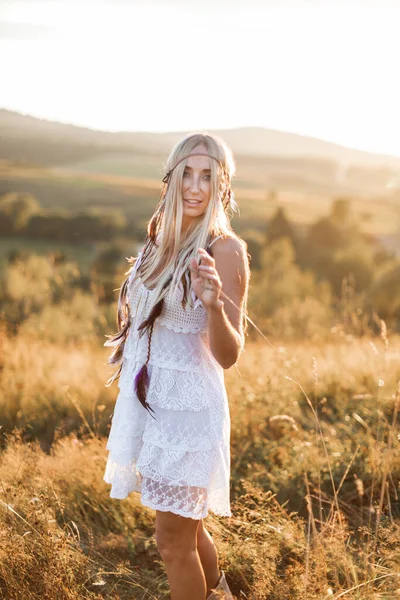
{"type": "Point", "coordinates": [71, 167]}
{"type": "Point", "coordinates": [17, 129]}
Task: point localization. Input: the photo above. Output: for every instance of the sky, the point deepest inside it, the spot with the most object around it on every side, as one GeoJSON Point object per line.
{"type": "Point", "coordinates": [324, 68]}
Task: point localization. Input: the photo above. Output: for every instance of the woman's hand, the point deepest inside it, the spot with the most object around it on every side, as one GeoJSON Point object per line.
{"type": "Point", "coordinates": [206, 282]}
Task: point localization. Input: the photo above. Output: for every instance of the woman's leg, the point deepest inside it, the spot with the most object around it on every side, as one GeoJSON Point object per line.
{"type": "Point", "coordinates": [208, 556]}
{"type": "Point", "coordinates": [177, 543]}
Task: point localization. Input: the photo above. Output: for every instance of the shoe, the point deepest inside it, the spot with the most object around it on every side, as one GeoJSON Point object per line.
{"type": "Point", "coordinates": [222, 591]}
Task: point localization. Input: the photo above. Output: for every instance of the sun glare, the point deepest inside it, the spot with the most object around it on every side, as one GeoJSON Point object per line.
{"type": "Point", "coordinates": [325, 70]}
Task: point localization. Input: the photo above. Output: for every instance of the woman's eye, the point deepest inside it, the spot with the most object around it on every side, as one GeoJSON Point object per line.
{"type": "Point", "coordinates": [186, 174]}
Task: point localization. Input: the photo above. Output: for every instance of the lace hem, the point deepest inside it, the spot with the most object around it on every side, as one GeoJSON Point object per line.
{"type": "Point", "coordinates": [175, 509]}
{"type": "Point", "coordinates": [123, 479]}
{"type": "Point", "coordinates": [164, 452]}
{"type": "Point", "coordinates": [187, 501]}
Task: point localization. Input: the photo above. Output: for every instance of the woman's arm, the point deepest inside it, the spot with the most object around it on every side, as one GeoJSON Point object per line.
{"type": "Point", "coordinates": [227, 271]}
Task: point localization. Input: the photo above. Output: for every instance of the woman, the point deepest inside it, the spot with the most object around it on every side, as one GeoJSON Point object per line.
{"type": "Point", "coordinates": [182, 321]}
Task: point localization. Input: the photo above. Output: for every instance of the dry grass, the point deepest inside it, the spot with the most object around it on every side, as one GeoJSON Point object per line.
{"type": "Point", "coordinates": [315, 476]}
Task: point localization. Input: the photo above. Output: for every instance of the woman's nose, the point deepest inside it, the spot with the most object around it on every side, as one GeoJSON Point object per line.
{"type": "Point", "coordinates": [194, 184]}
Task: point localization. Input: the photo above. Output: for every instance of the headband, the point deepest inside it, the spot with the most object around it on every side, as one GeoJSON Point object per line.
{"type": "Point", "coordinates": [168, 175]}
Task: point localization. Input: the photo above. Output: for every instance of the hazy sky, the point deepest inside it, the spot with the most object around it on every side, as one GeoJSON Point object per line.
{"type": "Point", "coordinates": [325, 68]}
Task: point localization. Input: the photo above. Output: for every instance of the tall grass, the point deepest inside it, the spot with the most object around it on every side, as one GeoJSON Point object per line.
{"type": "Point", "coordinates": [315, 475]}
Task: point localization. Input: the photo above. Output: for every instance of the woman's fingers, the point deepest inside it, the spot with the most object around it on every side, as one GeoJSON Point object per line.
{"type": "Point", "coordinates": [203, 270]}
{"type": "Point", "coordinates": [204, 276]}
{"type": "Point", "coordinates": [204, 263]}
{"type": "Point", "coordinates": [207, 270]}
{"type": "Point", "coordinates": [208, 273]}
{"type": "Point", "coordinates": [205, 258]}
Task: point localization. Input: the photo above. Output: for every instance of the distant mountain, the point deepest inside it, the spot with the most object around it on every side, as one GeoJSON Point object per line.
{"type": "Point", "coordinates": [29, 139]}
{"type": "Point", "coordinates": [262, 141]}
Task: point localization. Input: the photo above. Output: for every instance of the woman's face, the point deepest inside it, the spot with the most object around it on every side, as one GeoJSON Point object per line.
{"type": "Point", "coordinates": [196, 186]}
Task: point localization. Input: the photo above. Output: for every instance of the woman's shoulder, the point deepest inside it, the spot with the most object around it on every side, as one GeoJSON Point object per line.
{"type": "Point", "coordinates": [231, 257]}
{"type": "Point", "coordinates": [229, 245]}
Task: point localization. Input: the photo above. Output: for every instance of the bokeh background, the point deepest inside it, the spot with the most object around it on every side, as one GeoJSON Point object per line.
{"type": "Point", "coordinates": [93, 96]}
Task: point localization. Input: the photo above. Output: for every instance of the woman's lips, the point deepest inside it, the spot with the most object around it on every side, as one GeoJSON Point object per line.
{"type": "Point", "coordinates": [193, 202]}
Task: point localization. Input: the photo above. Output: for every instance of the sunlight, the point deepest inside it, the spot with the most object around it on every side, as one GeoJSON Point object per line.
{"type": "Point", "coordinates": [307, 68]}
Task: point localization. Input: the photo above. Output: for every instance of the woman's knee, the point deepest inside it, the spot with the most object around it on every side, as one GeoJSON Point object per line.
{"type": "Point", "coordinates": [175, 536]}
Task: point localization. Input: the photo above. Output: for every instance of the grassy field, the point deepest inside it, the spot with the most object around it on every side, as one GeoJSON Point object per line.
{"type": "Point", "coordinates": [134, 184]}
{"type": "Point", "coordinates": [315, 441]}
{"type": "Point", "coordinates": [83, 254]}
{"type": "Point", "coordinates": [314, 478]}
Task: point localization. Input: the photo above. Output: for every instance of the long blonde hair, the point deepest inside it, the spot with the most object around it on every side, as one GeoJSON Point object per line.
{"type": "Point", "coordinates": [166, 243]}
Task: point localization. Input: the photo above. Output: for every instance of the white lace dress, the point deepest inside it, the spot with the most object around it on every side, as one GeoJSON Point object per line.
{"type": "Point", "coordinates": [180, 459]}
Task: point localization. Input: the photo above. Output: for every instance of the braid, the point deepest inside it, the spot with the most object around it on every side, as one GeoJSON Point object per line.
{"type": "Point", "coordinates": [155, 223]}
{"type": "Point", "coordinates": [149, 343]}
{"type": "Point", "coordinates": [225, 190]}
{"type": "Point", "coordinates": [142, 378]}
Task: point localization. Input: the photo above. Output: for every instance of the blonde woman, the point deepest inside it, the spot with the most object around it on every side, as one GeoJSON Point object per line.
{"type": "Point", "coordinates": [178, 331]}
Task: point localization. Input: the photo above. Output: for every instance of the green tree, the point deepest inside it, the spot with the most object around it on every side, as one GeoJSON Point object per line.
{"type": "Point", "coordinates": [280, 280]}
{"type": "Point", "coordinates": [29, 284]}
{"type": "Point", "coordinates": [341, 212]}
{"type": "Point", "coordinates": [91, 224]}
{"type": "Point", "coordinates": [356, 260]}
{"type": "Point", "coordinates": [384, 293]}
{"type": "Point", "coordinates": [255, 242]}
{"type": "Point", "coordinates": [279, 227]}
{"type": "Point", "coordinates": [329, 235]}
{"type": "Point", "coordinates": [16, 209]}
{"type": "Point", "coordinates": [109, 270]}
